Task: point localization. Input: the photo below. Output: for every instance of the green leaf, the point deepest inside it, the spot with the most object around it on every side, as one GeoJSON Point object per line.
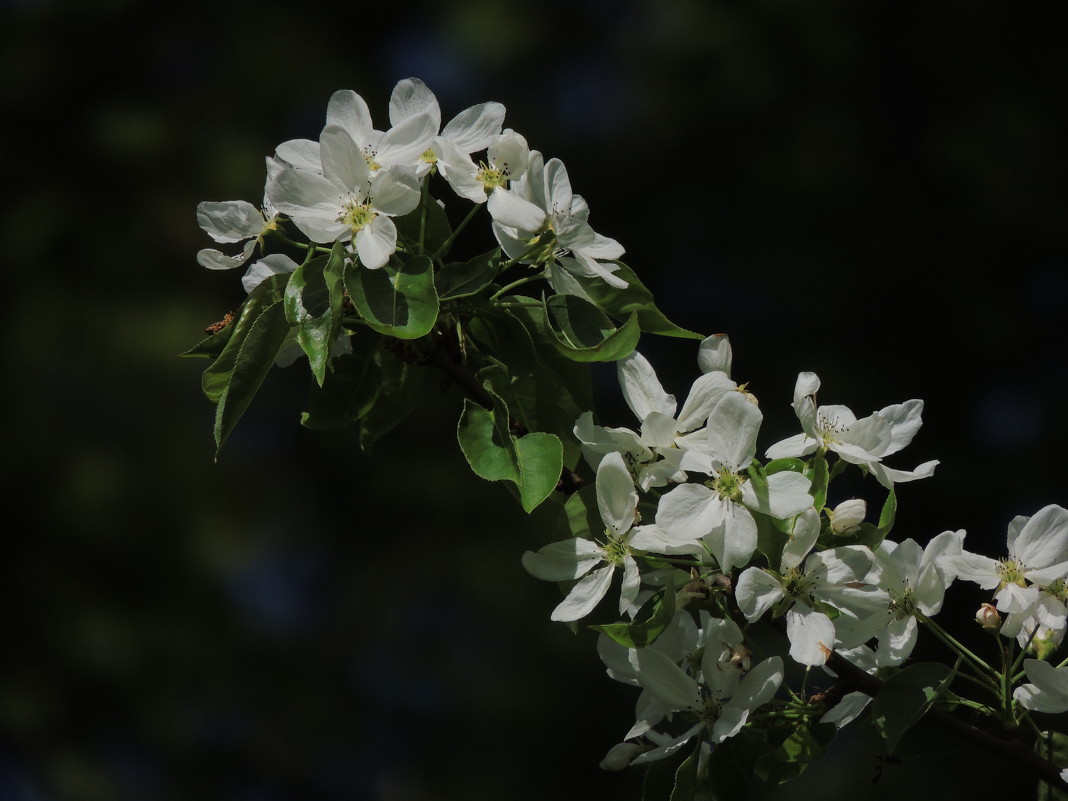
{"type": "Point", "coordinates": [541, 460]}
{"type": "Point", "coordinates": [253, 361]}
{"type": "Point", "coordinates": [634, 299]}
{"type": "Point", "coordinates": [488, 446]}
{"type": "Point", "coordinates": [583, 333]}
{"type": "Point", "coordinates": [906, 697]}
{"type": "Point", "coordinates": [348, 393]}
{"type": "Point", "coordinates": [233, 379]}
{"type": "Point", "coordinates": [686, 776]}
{"type": "Point", "coordinates": [543, 390]}
{"type": "Point", "coordinates": [649, 623]}
{"type": "Point", "coordinates": [538, 402]}
{"type": "Point", "coordinates": [399, 302]}
{"type": "Point", "coordinates": [216, 377]}
{"type": "Point", "coordinates": [435, 231]}
{"type": "Point", "coordinates": [772, 536]}
{"type": "Point", "coordinates": [532, 462]}
{"type": "Point", "coordinates": [574, 377]}
{"type": "Point", "coordinates": [581, 517]}
{"type": "Point", "coordinates": [817, 473]}
{"type": "Point", "coordinates": [461, 279]}
{"type": "Point", "coordinates": [212, 345]}
{"type": "Point", "coordinates": [313, 301]}
{"type": "Point", "coordinates": [780, 465]}
{"type": "Point", "coordinates": [888, 513]}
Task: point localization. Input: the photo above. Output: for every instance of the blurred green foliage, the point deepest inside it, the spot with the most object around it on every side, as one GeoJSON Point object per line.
{"type": "Point", "coordinates": [873, 191]}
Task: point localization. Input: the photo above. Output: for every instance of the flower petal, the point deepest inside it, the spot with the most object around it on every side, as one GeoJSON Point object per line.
{"type": "Point", "coordinates": [585, 595]}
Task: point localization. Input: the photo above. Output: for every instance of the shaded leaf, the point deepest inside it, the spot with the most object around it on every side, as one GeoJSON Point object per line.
{"type": "Point", "coordinates": [461, 279]}
{"type": "Point", "coordinates": [730, 766]}
{"type": "Point", "coordinates": [583, 333]}
{"type": "Point", "coordinates": [254, 359]}
{"type": "Point", "coordinates": [397, 301]}
{"type": "Point", "coordinates": [654, 616]}
{"type": "Point", "coordinates": [434, 230]}
{"type": "Point", "coordinates": [348, 393]}
{"type": "Point", "coordinates": [802, 745]}
{"type": "Point", "coordinates": [659, 781]}
{"type": "Point", "coordinates": [398, 396]}
{"type": "Point", "coordinates": [212, 345]}
{"type": "Point", "coordinates": [233, 379]}
{"type": "Point", "coordinates": [313, 302]}
{"type": "Point", "coordinates": [634, 299]}
{"type": "Point", "coordinates": [906, 697]}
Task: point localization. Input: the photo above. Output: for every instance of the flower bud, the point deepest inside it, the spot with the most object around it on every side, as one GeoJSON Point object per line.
{"type": "Point", "coordinates": [620, 756]}
{"type": "Point", "coordinates": [848, 515]}
{"type": "Point", "coordinates": [988, 618]}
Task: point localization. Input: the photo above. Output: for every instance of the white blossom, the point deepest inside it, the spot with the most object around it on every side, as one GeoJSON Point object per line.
{"type": "Point", "coordinates": [1037, 561]}
{"type": "Point", "coordinates": [539, 219]}
{"type": "Point", "coordinates": [865, 442]}
{"type": "Point", "coordinates": [914, 581]}
{"type": "Point", "coordinates": [233, 221]}
{"type": "Point", "coordinates": [1048, 690]}
{"type": "Point", "coordinates": [594, 563]}
{"type": "Point", "coordinates": [658, 454]}
{"type": "Point", "coordinates": [346, 201]}
{"type": "Point", "coordinates": [719, 514]}
{"type": "Point", "coordinates": [802, 592]}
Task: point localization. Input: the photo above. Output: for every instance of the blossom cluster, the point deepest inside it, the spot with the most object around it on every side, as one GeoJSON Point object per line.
{"type": "Point", "coordinates": [715, 550]}
{"type": "Point", "coordinates": [354, 182]}
{"type": "Point", "coordinates": [744, 541]}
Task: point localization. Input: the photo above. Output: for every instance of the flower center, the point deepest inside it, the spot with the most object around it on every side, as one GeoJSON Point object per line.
{"type": "Point", "coordinates": [728, 484]}
{"type": "Point", "coordinates": [830, 430]}
{"type": "Point", "coordinates": [492, 177]}
{"type": "Point", "coordinates": [796, 584]}
{"type": "Point", "coordinates": [903, 605]}
{"type": "Point", "coordinates": [614, 549]}
{"type": "Point", "coordinates": [356, 214]}
{"type": "Point", "coordinates": [1012, 572]}
{"type": "Point", "coordinates": [369, 155]}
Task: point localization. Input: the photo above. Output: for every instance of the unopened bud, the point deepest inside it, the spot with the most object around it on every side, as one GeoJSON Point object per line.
{"type": "Point", "coordinates": [848, 515]}
{"type": "Point", "coordinates": [988, 617]}
{"type": "Point", "coordinates": [621, 755]}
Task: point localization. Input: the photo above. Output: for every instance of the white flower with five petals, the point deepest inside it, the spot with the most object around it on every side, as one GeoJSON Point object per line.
{"type": "Point", "coordinates": [1037, 561]}
{"type": "Point", "coordinates": [719, 513]}
{"type": "Point", "coordinates": [346, 201]}
{"type": "Point", "coordinates": [865, 442]}
{"type": "Point", "coordinates": [232, 221]}
{"type": "Point", "coordinates": [538, 219]}
{"type": "Point", "coordinates": [594, 563]}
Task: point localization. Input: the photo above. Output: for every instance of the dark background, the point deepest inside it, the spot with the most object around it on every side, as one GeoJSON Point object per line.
{"type": "Point", "coordinates": [870, 190]}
